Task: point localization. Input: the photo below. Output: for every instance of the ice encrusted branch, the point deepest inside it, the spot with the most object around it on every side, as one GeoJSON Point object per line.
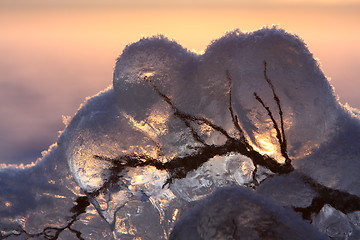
{"type": "Point", "coordinates": [178, 167]}
{"type": "Point", "coordinates": [52, 233]}
{"type": "Point", "coordinates": [280, 132]}
{"type": "Point", "coordinates": [340, 200]}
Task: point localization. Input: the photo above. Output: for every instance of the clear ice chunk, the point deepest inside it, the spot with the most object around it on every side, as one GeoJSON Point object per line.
{"type": "Point", "coordinates": [333, 223]}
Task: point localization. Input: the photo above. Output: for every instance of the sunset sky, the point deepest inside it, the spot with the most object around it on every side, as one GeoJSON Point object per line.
{"type": "Point", "coordinates": [56, 53]}
{"type": "Point", "coordinates": [167, 3]}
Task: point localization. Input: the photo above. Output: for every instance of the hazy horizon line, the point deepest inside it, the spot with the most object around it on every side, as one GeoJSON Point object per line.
{"type": "Point", "coordinates": [159, 4]}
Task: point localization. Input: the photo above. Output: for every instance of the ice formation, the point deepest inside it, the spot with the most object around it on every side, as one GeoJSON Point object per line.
{"type": "Point", "coordinates": [238, 213]}
{"type": "Point", "coordinates": [254, 111]}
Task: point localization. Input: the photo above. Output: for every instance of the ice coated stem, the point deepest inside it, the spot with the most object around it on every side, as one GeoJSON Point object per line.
{"type": "Point", "coordinates": [179, 167]}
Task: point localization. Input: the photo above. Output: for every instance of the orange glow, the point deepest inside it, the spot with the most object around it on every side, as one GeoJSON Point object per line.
{"type": "Point", "coordinates": [194, 28]}
{"type": "Point", "coordinates": [88, 41]}
{"type": "Point", "coordinates": [48, 48]}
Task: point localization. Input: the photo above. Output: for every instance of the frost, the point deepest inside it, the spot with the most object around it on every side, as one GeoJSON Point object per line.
{"type": "Point", "coordinates": [177, 129]}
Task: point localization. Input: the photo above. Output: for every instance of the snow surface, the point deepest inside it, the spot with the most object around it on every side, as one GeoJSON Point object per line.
{"type": "Point", "coordinates": [239, 213]}
{"type": "Point", "coordinates": [165, 104]}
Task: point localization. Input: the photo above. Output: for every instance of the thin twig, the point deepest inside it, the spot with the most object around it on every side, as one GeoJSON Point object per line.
{"type": "Point", "coordinates": [283, 143]}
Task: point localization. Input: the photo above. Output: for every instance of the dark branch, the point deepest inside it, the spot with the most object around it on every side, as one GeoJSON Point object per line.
{"type": "Point", "coordinates": [177, 113]}
{"type": "Point", "coordinates": [179, 167]}
{"type": "Point", "coordinates": [234, 117]}
{"type": "Point", "coordinates": [340, 200]}
{"type": "Point", "coordinates": [276, 127]}
{"type": "Point", "coordinates": [283, 144]}
{"type": "Point", "coordinates": [52, 233]}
